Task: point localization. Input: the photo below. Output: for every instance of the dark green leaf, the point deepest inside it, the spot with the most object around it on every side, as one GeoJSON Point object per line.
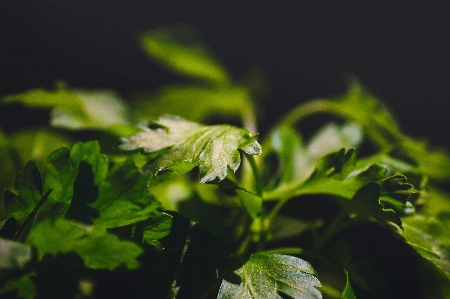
{"type": "Point", "coordinates": [97, 248]}
{"type": "Point", "coordinates": [397, 188]}
{"type": "Point", "coordinates": [365, 204]}
{"type": "Point", "coordinates": [21, 202]}
{"type": "Point", "coordinates": [348, 290]}
{"type": "Point", "coordinates": [429, 248]}
{"type": "Point", "coordinates": [213, 148]}
{"type": "Point", "coordinates": [264, 275]}
{"type": "Point", "coordinates": [123, 198]}
{"type": "Point", "coordinates": [23, 286]}
{"type": "Point", "coordinates": [180, 50]}
{"type": "Point", "coordinates": [62, 170]}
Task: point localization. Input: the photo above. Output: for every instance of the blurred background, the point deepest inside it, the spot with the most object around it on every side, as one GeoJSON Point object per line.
{"type": "Point", "coordinates": [399, 50]}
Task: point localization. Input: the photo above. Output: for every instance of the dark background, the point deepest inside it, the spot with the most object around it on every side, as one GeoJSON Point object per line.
{"type": "Point", "coordinates": [399, 50]}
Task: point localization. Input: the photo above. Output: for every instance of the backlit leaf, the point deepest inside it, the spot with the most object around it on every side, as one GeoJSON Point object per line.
{"type": "Point", "coordinates": [179, 49]}
{"type": "Point", "coordinates": [264, 275]}
{"type": "Point", "coordinates": [213, 148]}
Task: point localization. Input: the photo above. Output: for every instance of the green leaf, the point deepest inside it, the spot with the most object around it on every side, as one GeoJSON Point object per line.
{"type": "Point", "coordinates": [123, 197]}
{"type": "Point", "coordinates": [432, 163]}
{"type": "Point", "coordinates": [21, 202]}
{"type": "Point", "coordinates": [8, 168]}
{"type": "Point", "coordinates": [252, 203]}
{"type": "Point", "coordinates": [332, 137]}
{"type": "Point", "coordinates": [297, 159]}
{"type": "Point", "coordinates": [23, 286]}
{"type": "Point", "coordinates": [264, 275]}
{"type": "Point", "coordinates": [177, 141]}
{"type": "Point", "coordinates": [348, 290]}
{"type": "Point", "coordinates": [358, 104]}
{"type": "Point", "coordinates": [294, 164]}
{"type": "Point", "coordinates": [395, 187]}
{"type": "Point", "coordinates": [97, 248]}
{"type": "Point", "coordinates": [37, 144]}
{"type": "Point", "coordinates": [62, 170]}
{"type": "Point", "coordinates": [179, 100]}
{"type": "Point", "coordinates": [429, 248]}
{"type": "Point", "coordinates": [366, 204]}
{"type": "Point", "coordinates": [78, 109]}
{"type": "Point", "coordinates": [158, 228]}
{"type": "Point", "coordinates": [334, 174]}
{"type": "Point", "coordinates": [179, 50]}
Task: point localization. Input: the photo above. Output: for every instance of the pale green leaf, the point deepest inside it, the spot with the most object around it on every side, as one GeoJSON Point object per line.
{"type": "Point", "coordinates": [180, 100]}
{"type": "Point", "coordinates": [265, 274]}
{"type": "Point", "coordinates": [37, 144]}
{"type": "Point", "coordinates": [14, 256]}
{"type": "Point", "coordinates": [177, 141]}
{"type": "Point", "coordinates": [180, 50]}
{"type": "Point", "coordinates": [97, 248]}
{"type": "Point", "coordinates": [78, 109]}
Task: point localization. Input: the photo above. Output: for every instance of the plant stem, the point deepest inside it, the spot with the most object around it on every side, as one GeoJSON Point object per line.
{"type": "Point", "coordinates": [332, 228]}
{"type": "Point", "coordinates": [327, 106]}
{"type": "Point", "coordinates": [256, 175]}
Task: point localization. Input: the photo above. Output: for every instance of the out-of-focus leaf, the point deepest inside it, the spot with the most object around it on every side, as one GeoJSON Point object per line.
{"type": "Point", "coordinates": [332, 137]}
{"type": "Point", "coordinates": [78, 109]}
{"type": "Point", "coordinates": [264, 275]}
{"type": "Point", "coordinates": [37, 144]}
{"type": "Point", "coordinates": [97, 248]}
{"type": "Point", "coordinates": [252, 203]}
{"type": "Point", "coordinates": [14, 256]}
{"type": "Point", "coordinates": [180, 100]}
{"type": "Point", "coordinates": [434, 164]}
{"type": "Point", "coordinates": [433, 215]}
{"type": "Point", "coordinates": [429, 248]}
{"type": "Point", "coordinates": [284, 227]}
{"type": "Point", "coordinates": [8, 170]}
{"type": "Point", "coordinates": [366, 109]}
{"type": "Point", "coordinates": [179, 50]}
{"type": "Point", "coordinates": [23, 286]}
{"type": "Point", "coordinates": [213, 148]}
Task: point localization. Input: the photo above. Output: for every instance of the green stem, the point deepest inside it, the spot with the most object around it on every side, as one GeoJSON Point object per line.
{"type": "Point", "coordinates": [332, 228]}
{"type": "Point", "coordinates": [256, 175]}
{"type": "Point", "coordinates": [327, 106]}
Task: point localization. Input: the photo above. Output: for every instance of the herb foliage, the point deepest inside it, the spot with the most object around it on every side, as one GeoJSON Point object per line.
{"type": "Point", "coordinates": [84, 220]}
